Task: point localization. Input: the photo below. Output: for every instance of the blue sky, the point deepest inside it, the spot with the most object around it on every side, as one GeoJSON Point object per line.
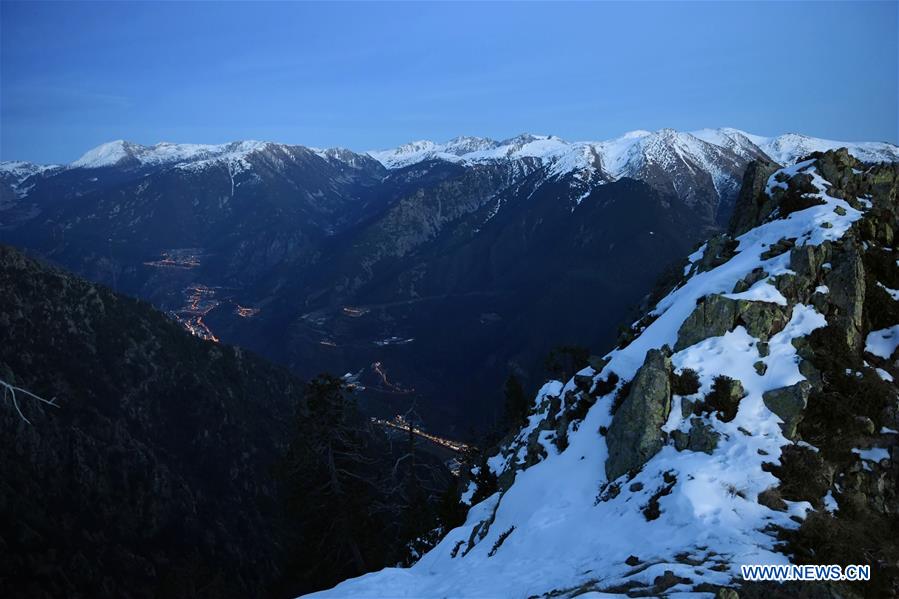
{"type": "Point", "coordinates": [372, 75]}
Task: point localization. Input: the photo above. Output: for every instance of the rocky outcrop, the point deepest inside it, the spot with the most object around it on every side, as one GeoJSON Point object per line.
{"type": "Point", "coordinates": [788, 403]}
{"type": "Point", "coordinates": [716, 315]}
{"type": "Point", "coordinates": [635, 434]}
{"type": "Point", "coordinates": [753, 204]}
{"type": "Point", "coordinates": [847, 293]}
{"type": "Point", "coordinates": [718, 250]}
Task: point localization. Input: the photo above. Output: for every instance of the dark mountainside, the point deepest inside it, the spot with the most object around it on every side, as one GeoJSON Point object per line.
{"type": "Point", "coordinates": [481, 306]}
{"type": "Point", "coordinates": [175, 467]}
{"type": "Point", "coordinates": [156, 459]}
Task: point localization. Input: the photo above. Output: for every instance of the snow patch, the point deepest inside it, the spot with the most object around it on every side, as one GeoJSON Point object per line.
{"type": "Point", "coordinates": [883, 343]}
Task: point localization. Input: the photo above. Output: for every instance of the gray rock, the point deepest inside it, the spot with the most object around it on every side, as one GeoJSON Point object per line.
{"type": "Point", "coordinates": [597, 363]}
{"type": "Point", "coordinates": [782, 246]}
{"type": "Point", "coordinates": [667, 580]}
{"type": "Point", "coordinates": [847, 293]}
{"type": "Point", "coordinates": [726, 593]}
{"type": "Point", "coordinates": [635, 433]}
{"type": "Point", "coordinates": [701, 437]}
{"type": "Point", "coordinates": [749, 280]}
{"type": "Point", "coordinates": [718, 250]}
{"type": "Point", "coordinates": [806, 260]}
{"type": "Point", "coordinates": [762, 319]}
{"type": "Point", "coordinates": [788, 403]}
{"type": "Point", "coordinates": [753, 205]}
{"type": "Point", "coordinates": [715, 315]}
{"type": "Point", "coordinates": [770, 498]}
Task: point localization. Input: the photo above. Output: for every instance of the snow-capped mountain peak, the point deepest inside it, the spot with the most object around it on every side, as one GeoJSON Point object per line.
{"type": "Point", "coordinates": [124, 152]}
{"type": "Point", "coordinates": [106, 154]}
{"type": "Point", "coordinates": [466, 144]}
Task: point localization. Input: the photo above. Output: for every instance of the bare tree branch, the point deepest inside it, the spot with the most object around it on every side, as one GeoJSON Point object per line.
{"type": "Point", "coordinates": [10, 390]}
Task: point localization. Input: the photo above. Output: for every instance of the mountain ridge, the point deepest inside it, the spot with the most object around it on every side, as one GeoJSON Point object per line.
{"type": "Point", "coordinates": [783, 148]}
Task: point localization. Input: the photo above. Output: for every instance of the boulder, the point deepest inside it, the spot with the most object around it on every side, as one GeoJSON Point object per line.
{"type": "Point", "coordinates": [635, 434]}
{"type": "Point", "coordinates": [761, 319]}
{"type": "Point", "coordinates": [668, 579]}
{"type": "Point", "coordinates": [788, 403]}
{"type": "Point", "coordinates": [715, 315]}
{"type": "Point", "coordinates": [718, 250]}
{"type": "Point", "coordinates": [701, 437]}
{"type": "Point", "coordinates": [770, 498]}
{"type": "Point", "coordinates": [756, 275]}
{"type": "Point", "coordinates": [597, 363]}
{"type": "Point", "coordinates": [782, 246]}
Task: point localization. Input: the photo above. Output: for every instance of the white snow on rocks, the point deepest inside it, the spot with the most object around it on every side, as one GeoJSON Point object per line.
{"type": "Point", "coordinates": [884, 375]}
{"type": "Point", "coordinates": [874, 454]}
{"type": "Point", "coordinates": [16, 173]}
{"type": "Point", "coordinates": [893, 293]}
{"type": "Point", "coordinates": [883, 343]}
{"type": "Point", "coordinates": [762, 291]}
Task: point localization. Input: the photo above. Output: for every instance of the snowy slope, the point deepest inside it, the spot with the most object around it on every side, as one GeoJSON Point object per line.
{"type": "Point", "coordinates": [558, 527]}
{"type": "Point", "coordinates": [19, 170]}
{"type": "Point", "coordinates": [16, 173]}
{"type": "Point", "coordinates": [786, 149]}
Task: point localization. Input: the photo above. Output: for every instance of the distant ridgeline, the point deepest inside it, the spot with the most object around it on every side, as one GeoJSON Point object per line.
{"type": "Point", "coordinates": [750, 417]}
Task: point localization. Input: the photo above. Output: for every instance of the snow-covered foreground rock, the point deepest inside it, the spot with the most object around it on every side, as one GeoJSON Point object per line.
{"type": "Point", "coordinates": [740, 415]}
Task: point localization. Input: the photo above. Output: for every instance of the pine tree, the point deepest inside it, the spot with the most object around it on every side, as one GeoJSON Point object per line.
{"type": "Point", "coordinates": [565, 360]}
{"type": "Point", "coordinates": [332, 485]}
{"type": "Point", "coordinates": [450, 511]}
{"type": "Point", "coordinates": [516, 403]}
{"type": "Point", "coordinates": [485, 481]}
